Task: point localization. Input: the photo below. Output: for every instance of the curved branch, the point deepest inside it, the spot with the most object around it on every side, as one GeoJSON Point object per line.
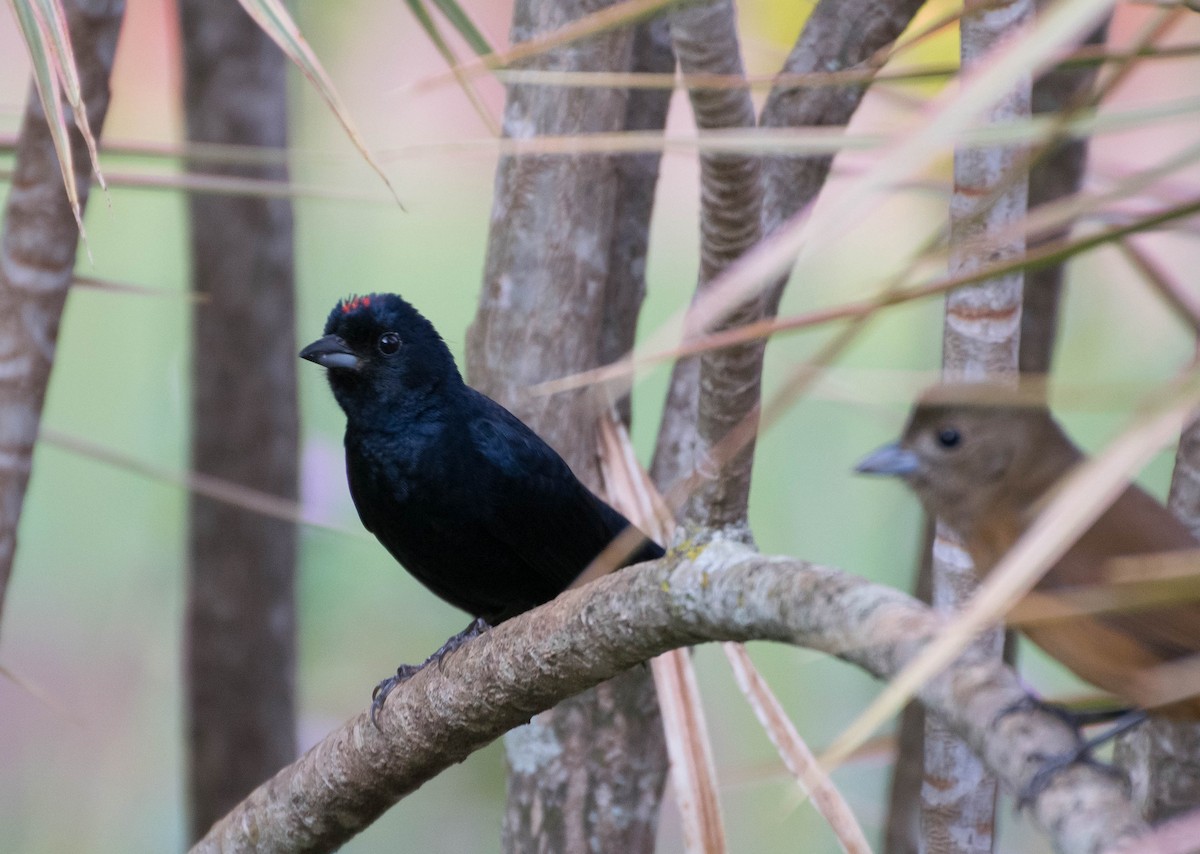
{"type": "Point", "coordinates": [722, 591]}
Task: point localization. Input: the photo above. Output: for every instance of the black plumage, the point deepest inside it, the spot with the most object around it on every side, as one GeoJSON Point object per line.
{"type": "Point", "coordinates": [463, 494]}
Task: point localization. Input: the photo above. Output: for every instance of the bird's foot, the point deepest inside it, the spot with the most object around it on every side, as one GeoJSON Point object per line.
{"type": "Point", "coordinates": [478, 626]}
{"type": "Point", "coordinates": [1076, 719]}
{"type": "Point", "coordinates": [1082, 754]}
{"type": "Point", "coordinates": [403, 673]}
{"type": "Point", "coordinates": [1053, 765]}
{"type": "Point", "coordinates": [406, 671]}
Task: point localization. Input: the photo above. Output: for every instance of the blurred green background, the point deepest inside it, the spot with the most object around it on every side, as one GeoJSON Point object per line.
{"type": "Point", "coordinates": [94, 612]}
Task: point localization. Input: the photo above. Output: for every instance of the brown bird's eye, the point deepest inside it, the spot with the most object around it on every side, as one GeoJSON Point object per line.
{"type": "Point", "coordinates": [389, 343]}
{"type": "Point", "coordinates": [948, 437]}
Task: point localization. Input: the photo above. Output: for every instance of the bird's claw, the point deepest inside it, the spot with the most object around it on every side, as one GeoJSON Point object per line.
{"type": "Point", "coordinates": [1053, 765]}
{"type": "Point", "coordinates": [1081, 754]}
{"type": "Point", "coordinates": [379, 696]}
{"type": "Point", "coordinates": [478, 626]}
{"type": "Point", "coordinates": [407, 671]}
{"type": "Point", "coordinates": [1076, 719]}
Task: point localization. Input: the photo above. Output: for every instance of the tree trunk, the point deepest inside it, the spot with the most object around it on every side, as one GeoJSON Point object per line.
{"type": "Point", "coordinates": [240, 641]}
{"type": "Point", "coordinates": [37, 253]}
{"type": "Point", "coordinates": [727, 381]}
{"type": "Point", "coordinates": [981, 341]}
{"type": "Point", "coordinates": [588, 774]}
{"type": "Point", "coordinates": [1056, 173]}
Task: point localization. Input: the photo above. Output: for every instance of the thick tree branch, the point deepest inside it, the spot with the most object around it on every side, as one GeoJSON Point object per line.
{"type": "Point", "coordinates": [37, 253]}
{"type": "Point", "coordinates": [542, 308]}
{"type": "Point", "coordinates": [721, 591]}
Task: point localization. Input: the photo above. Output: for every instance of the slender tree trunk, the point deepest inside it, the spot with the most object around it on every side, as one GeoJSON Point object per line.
{"type": "Point", "coordinates": [588, 774]}
{"type": "Point", "coordinates": [902, 828]}
{"type": "Point", "coordinates": [637, 179]}
{"type": "Point", "coordinates": [37, 252]}
{"type": "Point", "coordinates": [240, 643]}
{"type": "Point", "coordinates": [728, 381]}
{"type": "Point", "coordinates": [981, 341]}
{"type": "Point", "coordinates": [839, 34]}
{"type": "Point", "coordinates": [1056, 173]}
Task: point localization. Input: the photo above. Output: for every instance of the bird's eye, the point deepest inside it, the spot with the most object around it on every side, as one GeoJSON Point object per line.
{"type": "Point", "coordinates": [948, 437]}
{"type": "Point", "coordinates": [389, 343]}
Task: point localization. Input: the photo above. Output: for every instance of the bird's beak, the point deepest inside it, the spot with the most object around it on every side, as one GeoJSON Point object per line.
{"type": "Point", "coordinates": [890, 460]}
{"type": "Point", "coordinates": [331, 352]}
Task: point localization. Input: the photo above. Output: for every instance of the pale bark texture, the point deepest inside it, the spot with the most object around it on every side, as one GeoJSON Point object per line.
{"type": "Point", "coordinates": [588, 775]}
{"type": "Point", "coordinates": [240, 643]}
{"type": "Point", "coordinates": [675, 449]}
{"type": "Point", "coordinates": [719, 591]}
{"type": "Point", "coordinates": [1162, 758]}
{"type": "Point", "coordinates": [958, 794]}
{"type": "Point", "coordinates": [981, 339]}
{"type": "Point", "coordinates": [37, 257]}
{"type": "Point", "coordinates": [982, 329]}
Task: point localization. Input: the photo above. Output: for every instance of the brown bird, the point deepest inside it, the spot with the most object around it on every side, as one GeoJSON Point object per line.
{"type": "Point", "coordinates": [984, 459]}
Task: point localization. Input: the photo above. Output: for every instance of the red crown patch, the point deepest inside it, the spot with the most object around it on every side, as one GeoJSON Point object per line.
{"type": "Point", "coordinates": [355, 304]}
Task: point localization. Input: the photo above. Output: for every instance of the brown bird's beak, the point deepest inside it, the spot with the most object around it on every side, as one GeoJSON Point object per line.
{"type": "Point", "coordinates": [331, 352]}
{"type": "Point", "coordinates": [890, 460]}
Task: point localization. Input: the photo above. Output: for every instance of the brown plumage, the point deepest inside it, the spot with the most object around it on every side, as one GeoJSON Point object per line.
{"type": "Point", "coordinates": [984, 459]}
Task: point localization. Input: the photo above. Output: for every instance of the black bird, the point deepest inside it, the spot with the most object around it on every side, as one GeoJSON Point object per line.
{"type": "Point", "coordinates": [463, 494]}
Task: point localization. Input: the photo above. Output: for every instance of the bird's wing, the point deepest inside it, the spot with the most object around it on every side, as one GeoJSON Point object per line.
{"type": "Point", "coordinates": [538, 508]}
{"type": "Point", "coordinates": [1115, 649]}
{"type": "Point", "coordinates": [1136, 526]}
